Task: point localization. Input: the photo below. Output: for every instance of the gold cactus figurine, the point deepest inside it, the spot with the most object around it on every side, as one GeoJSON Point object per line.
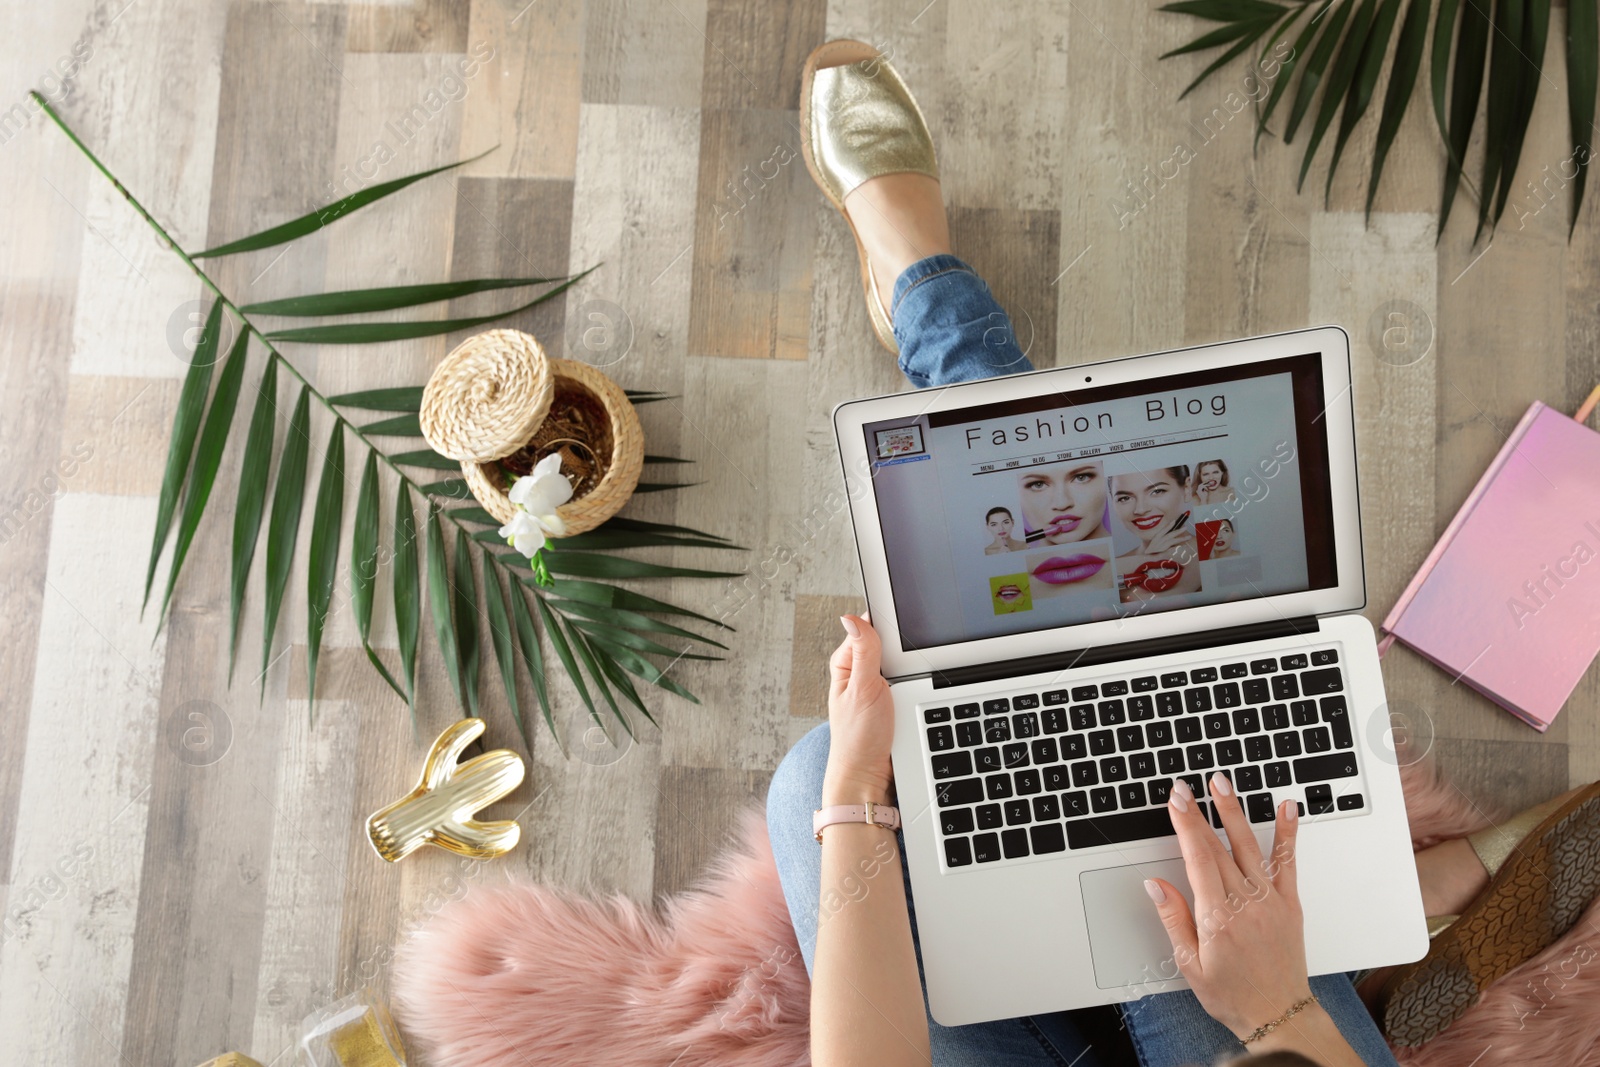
{"type": "Point", "coordinates": [440, 809]}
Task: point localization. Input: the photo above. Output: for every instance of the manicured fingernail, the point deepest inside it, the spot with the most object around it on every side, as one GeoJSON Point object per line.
{"type": "Point", "coordinates": [1157, 894]}
{"type": "Point", "coordinates": [850, 625]}
{"type": "Point", "coordinates": [1220, 786]}
{"type": "Point", "coordinates": [1181, 794]}
{"type": "Point", "coordinates": [1291, 810]}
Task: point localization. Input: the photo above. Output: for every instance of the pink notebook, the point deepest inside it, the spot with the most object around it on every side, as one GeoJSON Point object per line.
{"type": "Point", "coordinates": [1509, 599]}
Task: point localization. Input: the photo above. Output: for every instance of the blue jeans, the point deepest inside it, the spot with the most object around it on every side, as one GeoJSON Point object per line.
{"type": "Point", "coordinates": [950, 329]}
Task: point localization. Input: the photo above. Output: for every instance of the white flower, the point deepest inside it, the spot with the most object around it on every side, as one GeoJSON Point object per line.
{"type": "Point", "coordinates": [537, 496]}
{"type": "Point", "coordinates": [523, 534]}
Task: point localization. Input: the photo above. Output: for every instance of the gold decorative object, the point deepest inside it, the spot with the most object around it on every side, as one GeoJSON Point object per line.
{"type": "Point", "coordinates": [357, 1031]}
{"type": "Point", "coordinates": [498, 405]}
{"type": "Point", "coordinates": [440, 809]}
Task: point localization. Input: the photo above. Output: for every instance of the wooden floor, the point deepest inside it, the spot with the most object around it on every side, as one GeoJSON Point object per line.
{"type": "Point", "coordinates": [167, 898]}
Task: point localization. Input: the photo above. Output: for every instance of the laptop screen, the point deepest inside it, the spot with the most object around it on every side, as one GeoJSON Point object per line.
{"type": "Point", "coordinates": [1108, 502]}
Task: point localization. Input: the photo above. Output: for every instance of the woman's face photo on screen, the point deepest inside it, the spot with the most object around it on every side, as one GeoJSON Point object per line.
{"type": "Point", "coordinates": [1066, 501]}
{"type": "Point", "coordinates": [1000, 523]}
{"type": "Point", "coordinates": [1148, 502]}
{"type": "Point", "coordinates": [1212, 475]}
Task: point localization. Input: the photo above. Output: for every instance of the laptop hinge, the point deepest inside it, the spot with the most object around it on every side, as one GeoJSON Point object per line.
{"type": "Point", "coordinates": [1091, 657]}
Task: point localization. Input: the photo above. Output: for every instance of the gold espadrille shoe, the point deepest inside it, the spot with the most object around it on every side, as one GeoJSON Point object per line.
{"type": "Point", "coordinates": [1544, 870]}
{"type": "Point", "coordinates": [858, 121]}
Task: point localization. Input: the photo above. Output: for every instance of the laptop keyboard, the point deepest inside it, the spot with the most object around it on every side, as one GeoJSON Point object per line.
{"type": "Point", "coordinates": [1045, 771]}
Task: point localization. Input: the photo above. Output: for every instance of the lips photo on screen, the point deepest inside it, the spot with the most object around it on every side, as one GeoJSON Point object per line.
{"type": "Point", "coordinates": [1009, 594]}
{"type": "Point", "coordinates": [1070, 570]}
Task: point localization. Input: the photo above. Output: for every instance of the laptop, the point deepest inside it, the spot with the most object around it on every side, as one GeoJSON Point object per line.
{"type": "Point", "coordinates": [1091, 580]}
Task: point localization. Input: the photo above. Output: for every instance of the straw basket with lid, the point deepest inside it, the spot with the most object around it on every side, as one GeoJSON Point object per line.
{"type": "Point", "coordinates": [498, 405]}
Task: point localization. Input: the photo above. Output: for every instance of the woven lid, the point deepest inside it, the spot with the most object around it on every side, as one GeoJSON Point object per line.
{"type": "Point", "coordinates": [487, 397]}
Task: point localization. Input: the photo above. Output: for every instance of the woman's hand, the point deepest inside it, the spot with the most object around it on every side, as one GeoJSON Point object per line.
{"type": "Point", "coordinates": [860, 719]}
{"type": "Point", "coordinates": [1246, 959]}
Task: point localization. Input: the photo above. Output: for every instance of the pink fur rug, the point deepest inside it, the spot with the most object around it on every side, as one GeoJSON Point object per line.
{"type": "Point", "coordinates": [529, 974]}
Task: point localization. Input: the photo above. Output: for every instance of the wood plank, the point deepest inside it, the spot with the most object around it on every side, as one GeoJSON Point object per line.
{"type": "Point", "coordinates": [1001, 105]}
{"type": "Point", "coordinates": [75, 872]}
{"type": "Point", "coordinates": [306, 871]}
{"type": "Point", "coordinates": [202, 889]}
{"type": "Point", "coordinates": [508, 228]}
{"type": "Point", "coordinates": [698, 819]}
{"type": "Point", "coordinates": [419, 26]}
{"type": "Point", "coordinates": [38, 321]}
{"type": "Point", "coordinates": [532, 87]}
{"type": "Point", "coordinates": [755, 233]}
{"type": "Point", "coordinates": [1121, 280]}
{"type": "Point", "coordinates": [1250, 263]}
{"type": "Point", "coordinates": [114, 435]}
{"type": "Point", "coordinates": [753, 452]}
{"type": "Point", "coordinates": [1503, 777]}
{"type": "Point", "coordinates": [754, 52]}
{"type": "Point", "coordinates": [642, 52]}
{"type": "Point", "coordinates": [816, 634]}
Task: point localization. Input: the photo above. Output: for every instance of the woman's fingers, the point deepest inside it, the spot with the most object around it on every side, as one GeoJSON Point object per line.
{"type": "Point", "coordinates": [1178, 920]}
{"type": "Point", "coordinates": [1281, 867]}
{"type": "Point", "coordinates": [1199, 844]}
{"type": "Point", "coordinates": [1246, 852]}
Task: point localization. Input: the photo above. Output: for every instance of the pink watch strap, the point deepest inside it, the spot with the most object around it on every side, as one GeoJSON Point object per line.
{"type": "Point", "coordinates": [878, 814]}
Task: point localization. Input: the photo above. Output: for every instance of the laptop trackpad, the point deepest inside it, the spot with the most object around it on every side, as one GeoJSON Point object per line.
{"type": "Point", "coordinates": [1126, 938]}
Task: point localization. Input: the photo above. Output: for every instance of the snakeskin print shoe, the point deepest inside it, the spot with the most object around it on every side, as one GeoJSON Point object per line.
{"type": "Point", "coordinates": [1544, 870]}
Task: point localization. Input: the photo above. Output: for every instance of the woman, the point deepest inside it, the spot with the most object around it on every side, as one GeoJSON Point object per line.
{"type": "Point", "coordinates": [1211, 483]}
{"type": "Point", "coordinates": [1063, 503]}
{"type": "Point", "coordinates": [1154, 506]}
{"type": "Point", "coordinates": [1222, 545]}
{"type": "Point", "coordinates": [1000, 523]}
{"type": "Point", "coordinates": [865, 143]}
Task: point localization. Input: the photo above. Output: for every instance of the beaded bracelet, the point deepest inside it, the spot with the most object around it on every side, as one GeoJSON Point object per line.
{"type": "Point", "coordinates": [1266, 1028]}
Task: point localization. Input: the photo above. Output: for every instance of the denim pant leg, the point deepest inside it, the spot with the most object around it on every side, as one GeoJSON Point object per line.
{"type": "Point", "coordinates": [1172, 1029]}
{"type": "Point", "coordinates": [949, 327]}
{"type": "Point", "coordinates": [796, 791]}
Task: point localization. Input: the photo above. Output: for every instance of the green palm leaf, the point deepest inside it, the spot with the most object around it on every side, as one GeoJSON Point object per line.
{"type": "Point", "coordinates": [439, 596]}
{"type": "Point", "coordinates": [252, 498]}
{"type": "Point", "coordinates": [601, 686]}
{"type": "Point", "coordinates": [615, 596]}
{"type": "Point", "coordinates": [619, 679]}
{"type": "Point", "coordinates": [590, 565]}
{"type": "Point", "coordinates": [327, 519]}
{"type": "Point", "coordinates": [500, 636]}
{"type": "Point", "coordinates": [1408, 52]}
{"type": "Point", "coordinates": [630, 620]}
{"type": "Point", "coordinates": [316, 220]}
{"type": "Point", "coordinates": [407, 594]}
{"type": "Point", "coordinates": [185, 427]}
{"type": "Point", "coordinates": [361, 333]}
{"type": "Point", "coordinates": [1316, 63]}
{"type": "Point", "coordinates": [1340, 76]}
{"type": "Point", "coordinates": [1527, 62]}
{"type": "Point", "coordinates": [532, 656]}
{"type": "Point", "coordinates": [407, 398]}
{"type": "Point", "coordinates": [1466, 82]}
{"type": "Point", "coordinates": [1369, 64]}
{"type": "Point", "coordinates": [464, 592]}
{"type": "Point", "coordinates": [661, 487]}
{"type": "Point", "coordinates": [640, 667]}
{"type": "Point", "coordinates": [1289, 66]}
{"type": "Point", "coordinates": [364, 566]}
{"type": "Point", "coordinates": [627, 638]}
{"type": "Point", "coordinates": [1583, 78]}
{"type": "Point", "coordinates": [362, 301]}
{"type": "Point", "coordinates": [207, 458]}
{"type": "Point", "coordinates": [558, 641]}
{"type": "Point", "coordinates": [283, 530]}
{"type": "Point", "coordinates": [428, 458]}
{"type": "Point", "coordinates": [407, 425]}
